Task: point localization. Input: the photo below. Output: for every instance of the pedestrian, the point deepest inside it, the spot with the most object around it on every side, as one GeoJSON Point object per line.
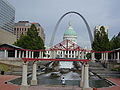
{"type": "Point", "coordinates": [63, 81]}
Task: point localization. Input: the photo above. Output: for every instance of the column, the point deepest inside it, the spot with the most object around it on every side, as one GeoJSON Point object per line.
{"type": "Point", "coordinates": [86, 78]}
{"type": "Point", "coordinates": [19, 54]}
{"type": "Point", "coordinates": [71, 54]}
{"type": "Point", "coordinates": [26, 54]}
{"type": "Point", "coordinates": [93, 56]}
{"type": "Point", "coordinates": [78, 54]}
{"type": "Point", "coordinates": [106, 57]}
{"type": "Point", "coordinates": [118, 57]}
{"type": "Point", "coordinates": [82, 54]}
{"type": "Point", "coordinates": [24, 85]}
{"type": "Point", "coordinates": [23, 54]}
{"type": "Point", "coordinates": [74, 54]}
{"type": "Point", "coordinates": [50, 54]}
{"type": "Point", "coordinates": [54, 54]}
{"type": "Point", "coordinates": [34, 74]}
{"type": "Point", "coordinates": [82, 76]}
{"type": "Point", "coordinates": [63, 54]}
{"type": "Point", "coordinates": [102, 57]}
{"type": "Point", "coordinates": [5, 54]}
{"type": "Point", "coordinates": [15, 53]}
{"type": "Point", "coordinates": [68, 54]}
{"type": "Point", "coordinates": [32, 54]}
{"type": "Point", "coordinates": [41, 54]}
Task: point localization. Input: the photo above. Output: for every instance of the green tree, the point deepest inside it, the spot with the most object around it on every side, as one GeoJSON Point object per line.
{"type": "Point", "coordinates": [31, 40]}
{"type": "Point", "coordinates": [115, 42]}
{"type": "Point", "coordinates": [101, 42]}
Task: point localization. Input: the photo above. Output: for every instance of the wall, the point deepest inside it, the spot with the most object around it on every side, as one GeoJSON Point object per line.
{"type": "Point", "coordinates": [6, 37]}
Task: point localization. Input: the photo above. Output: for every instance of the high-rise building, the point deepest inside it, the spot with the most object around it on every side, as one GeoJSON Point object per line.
{"type": "Point", "coordinates": [7, 16]}
{"type": "Point", "coordinates": [22, 27]}
{"type": "Point", "coordinates": [99, 28]}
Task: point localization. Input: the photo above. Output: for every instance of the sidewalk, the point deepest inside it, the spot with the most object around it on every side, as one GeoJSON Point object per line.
{"type": "Point", "coordinates": [8, 86]}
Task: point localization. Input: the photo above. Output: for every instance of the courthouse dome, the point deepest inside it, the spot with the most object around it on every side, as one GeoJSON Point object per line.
{"type": "Point", "coordinates": [70, 32]}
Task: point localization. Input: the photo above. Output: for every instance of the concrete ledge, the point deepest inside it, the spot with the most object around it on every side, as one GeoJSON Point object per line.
{"type": "Point", "coordinates": [24, 87]}
{"type": "Point", "coordinates": [87, 88]}
{"type": "Point", "coordinates": [33, 82]}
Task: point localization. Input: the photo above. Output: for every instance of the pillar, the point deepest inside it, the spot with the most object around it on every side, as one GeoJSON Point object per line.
{"type": "Point", "coordinates": [102, 57]}
{"type": "Point", "coordinates": [41, 54]}
{"type": "Point", "coordinates": [5, 54]}
{"type": "Point", "coordinates": [86, 78]}
{"type": "Point", "coordinates": [34, 74]}
{"type": "Point", "coordinates": [26, 54]}
{"type": "Point", "coordinates": [118, 57]}
{"type": "Point", "coordinates": [32, 54]}
{"type": "Point", "coordinates": [74, 54]}
{"type": "Point", "coordinates": [24, 85]}
{"type": "Point", "coordinates": [82, 76]}
{"type": "Point", "coordinates": [68, 54]}
{"type": "Point", "coordinates": [78, 54]}
{"type": "Point", "coordinates": [19, 54]}
{"type": "Point", "coordinates": [93, 56]}
{"type": "Point", "coordinates": [23, 54]}
{"type": "Point", "coordinates": [82, 54]}
{"type": "Point", "coordinates": [15, 53]}
{"type": "Point", "coordinates": [106, 57]}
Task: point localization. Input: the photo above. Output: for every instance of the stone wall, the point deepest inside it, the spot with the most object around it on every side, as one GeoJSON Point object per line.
{"type": "Point", "coordinates": [6, 37]}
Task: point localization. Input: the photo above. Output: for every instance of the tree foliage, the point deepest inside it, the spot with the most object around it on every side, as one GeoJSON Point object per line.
{"type": "Point", "coordinates": [115, 42]}
{"type": "Point", "coordinates": [31, 40]}
{"type": "Point", "coordinates": [101, 42]}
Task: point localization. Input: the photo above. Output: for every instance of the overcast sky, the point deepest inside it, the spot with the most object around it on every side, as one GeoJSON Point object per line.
{"type": "Point", "coordinates": [48, 12]}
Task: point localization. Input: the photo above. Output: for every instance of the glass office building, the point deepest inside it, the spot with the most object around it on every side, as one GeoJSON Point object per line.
{"type": "Point", "coordinates": [7, 16]}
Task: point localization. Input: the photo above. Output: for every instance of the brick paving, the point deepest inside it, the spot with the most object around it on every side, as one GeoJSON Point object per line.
{"type": "Point", "coordinates": [8, 86]}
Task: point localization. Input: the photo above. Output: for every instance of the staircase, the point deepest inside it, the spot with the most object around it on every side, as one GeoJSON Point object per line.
{"type": "Point", "coordinates": [98, 69]}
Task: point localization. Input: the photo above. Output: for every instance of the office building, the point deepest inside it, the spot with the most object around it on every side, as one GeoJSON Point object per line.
{"type": "Point", "coordinates": [22, 27]}
{"type": "Point", "coordinates": [7, 17]}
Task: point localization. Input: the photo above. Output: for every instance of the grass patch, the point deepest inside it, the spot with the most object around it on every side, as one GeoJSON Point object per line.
{"type": "Point", "coordinates": [116, 69]}
{"type": "Point", "coordinates": [4, 67]}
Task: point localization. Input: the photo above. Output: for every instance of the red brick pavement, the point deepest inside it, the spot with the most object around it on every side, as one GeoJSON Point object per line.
{"type": "Point", "coordinates": [8, 86]}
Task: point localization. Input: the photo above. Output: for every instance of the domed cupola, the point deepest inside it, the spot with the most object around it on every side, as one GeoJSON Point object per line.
{"type": "Point", "coordinates": [70, 34]}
